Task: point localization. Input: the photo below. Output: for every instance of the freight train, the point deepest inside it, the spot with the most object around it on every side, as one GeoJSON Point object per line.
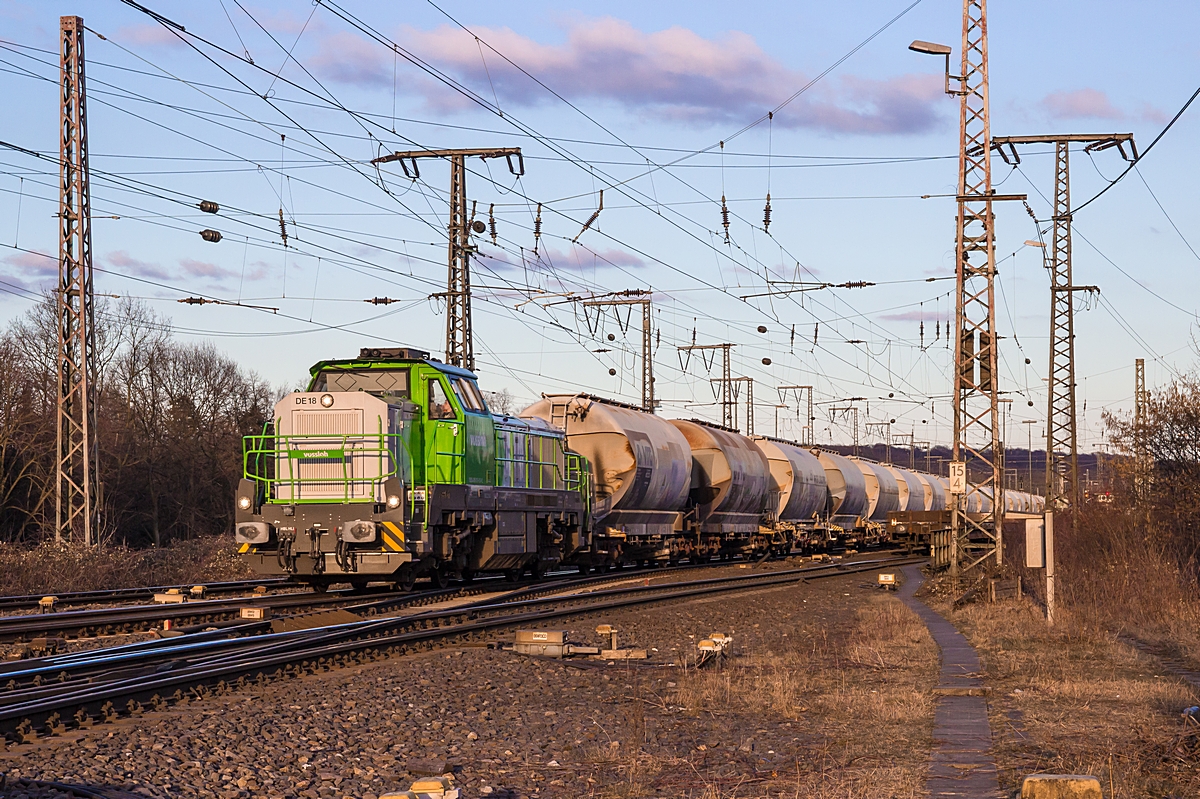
{"type": "Point", "coordinates": [392, 467]}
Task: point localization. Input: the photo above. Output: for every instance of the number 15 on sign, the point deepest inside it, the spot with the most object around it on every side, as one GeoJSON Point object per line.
{"type": "Point", "coordinates": [958, 477]}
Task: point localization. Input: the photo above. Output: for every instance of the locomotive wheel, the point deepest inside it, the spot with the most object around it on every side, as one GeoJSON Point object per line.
{"type": "Point", "coordinates": [467, 575]}
{"type": "Point", "coordinates": [320, 588]}
{"type": "Point", "coordinates": [406, 581]}
{"type": "Point", "coordinates": [512, 575]}
{"type": "Point", "coordinates": [584, 569]}
{"type": "Point", "coordinates": [537, 570]}
{"type": "Point", "coordinates": [358, 586]}
{"type": "Point", "coordinates": [439, 578]}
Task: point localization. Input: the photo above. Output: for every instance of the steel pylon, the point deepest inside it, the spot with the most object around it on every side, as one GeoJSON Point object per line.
{"type": "Point", "coordinates": [1062, 444]}
{"type": "Point", "coordinates": [977, 537]}
{"type": "Point", "coordinates": [1141, 457]}
{"type": "Point", "coordinates": [643, 299]}
{"type": "Point", "coordinates": [460, 342]}
{"type": "Point", "coordinates": [77, 485]}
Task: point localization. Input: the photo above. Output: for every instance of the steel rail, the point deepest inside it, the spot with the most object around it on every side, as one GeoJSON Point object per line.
{"type": "Point", "coordinates": [129, 617]}
{"type": "Point", "coordinates": [31, 601]}
{"type": "Point", "coordinates": [270, 657]}
{"type": "Point", "coordinates": [81, 791]}
{"type": "Point", "coordinates": [140, 617]}
{"type": "Point", "coordinates": [96, 663]}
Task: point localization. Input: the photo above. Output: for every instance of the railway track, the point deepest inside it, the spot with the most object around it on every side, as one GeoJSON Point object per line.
{"type": "Point", "coordinates": [135, 618]}
{"type": "Point", "coordinates": [8, 604]}
{"type": "Point", "coordinates": [18, 674]}
{"type": "Point", "coordinates": [80, 690]}
{"type": "Point", "coordinates": [198, 614]}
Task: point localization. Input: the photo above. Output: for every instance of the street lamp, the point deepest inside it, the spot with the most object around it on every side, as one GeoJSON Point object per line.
{"type": "Point", "coordinates": [1030, 449]}
{"type": "Point", "coordinates": [929, 48]}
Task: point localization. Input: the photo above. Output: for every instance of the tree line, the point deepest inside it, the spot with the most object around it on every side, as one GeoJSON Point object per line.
{"type": "Point", "coordinates": [170, 419]}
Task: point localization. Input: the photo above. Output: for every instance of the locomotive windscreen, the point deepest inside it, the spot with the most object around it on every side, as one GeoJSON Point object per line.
{"type": "Point", "coordinates": [380, 382]}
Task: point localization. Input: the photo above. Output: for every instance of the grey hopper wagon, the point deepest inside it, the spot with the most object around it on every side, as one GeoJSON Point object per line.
{"type": "Point", "coordinates": [848, 503]}
{"type": "Point", "coordinates": [731, 481]}
{"type": "Point", "coordinates": [882, 491]}
{"type": "Point", "coordinates": [912, 490]}
{"type": "Point", "coordinates": [798, 479]}
{"type": "Point", "coordinates": [641, 465]}
{"type": "Point", "coordinates": [935, 497]}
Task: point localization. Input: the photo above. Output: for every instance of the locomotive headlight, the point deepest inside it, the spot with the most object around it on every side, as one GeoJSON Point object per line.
{"type": "Point", "coordinates": [393, 501]}
{"type": "Point", "coordinates": [244, 503]}
{"type": "Point", "coordinates": [326, 400]}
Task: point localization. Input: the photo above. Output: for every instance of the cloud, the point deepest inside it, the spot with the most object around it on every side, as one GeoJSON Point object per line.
{"type": "Point", "coordinates": [31, 271]}
{"type": "Point", "coordinates": [348, 58]}
{"type": "Point", "coordinates": [260, 270]}
{"type": "Point", "coordinates": [910, 316]}
{"type": "Point", "coordinates": [149, 34]}
{"type": "Point", "coordinates": [204, 269]}
{"type": "Point", "coordinates": [33, 264]}
{"type": "Point", "coordinates": [1080, 104]}
{"type": "Point", "coordinates": [1151, 114]}
{"type": "Point", "coordinates": [614, 258]}
{"type": "Point", "coordinates": [675, 73]}
{"type": "Point", "coordinates": [125, 264]}
{"type": "Point", "coordinates": [580, 259]}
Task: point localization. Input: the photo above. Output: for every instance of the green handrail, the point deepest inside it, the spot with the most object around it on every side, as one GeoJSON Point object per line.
{"type": "Point", "coordinates": [264, 455]}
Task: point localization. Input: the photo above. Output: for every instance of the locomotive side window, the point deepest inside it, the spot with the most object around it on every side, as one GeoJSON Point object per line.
{"type": "Point", "coordinates": [386, 383]}
{"type": "Point", "coordinates": [439, 406]}
{"type": "Point", "coordinates": [473, 389]}
{"type": "Point", "coordinates": [468, 395]}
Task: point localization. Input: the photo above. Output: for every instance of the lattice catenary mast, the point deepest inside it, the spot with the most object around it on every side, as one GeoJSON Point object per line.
{"type": "Point", "coordinates": [640, 298]}
{"type": "Point", "coordinates": [976, 406]}
{"type": "Point", "coordinates": [1141, 456]}
{"type": "Point", "coordinates": [460, 345]}
{"type": "Point", "coordinates": [1062, 447]}
{"type": "Point", "coordinates": [77, 486]}
{"type": "Point", "coordinates": [806, 432]}
{"type": "Point", "coordinates": [728, 401]}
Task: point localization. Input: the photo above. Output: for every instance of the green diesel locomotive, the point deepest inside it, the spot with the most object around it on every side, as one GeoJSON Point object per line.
{"type": "Point", "coordinates": [391, 466]}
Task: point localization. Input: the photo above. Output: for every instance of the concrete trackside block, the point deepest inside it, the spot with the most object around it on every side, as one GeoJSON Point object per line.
{"type": "Point", "coordinates": [1061, 786]}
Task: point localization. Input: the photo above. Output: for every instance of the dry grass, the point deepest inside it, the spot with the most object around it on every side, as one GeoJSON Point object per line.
{"type": "Point", "coordinates": [51, 568]}
{"type": "Point", "coordinates": [856, 702]}
{"type": "Point", "coordinates": [1075, 699]}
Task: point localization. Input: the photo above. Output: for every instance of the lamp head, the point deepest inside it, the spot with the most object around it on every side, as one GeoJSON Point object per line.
{"type": "Point", "coordinates": [929, 48]}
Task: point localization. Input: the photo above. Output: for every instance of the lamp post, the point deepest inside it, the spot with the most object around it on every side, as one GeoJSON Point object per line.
{"type": "Point", "coordinates": [929, 48]}
{"type": "Point", "coordinates": [1029, 430]}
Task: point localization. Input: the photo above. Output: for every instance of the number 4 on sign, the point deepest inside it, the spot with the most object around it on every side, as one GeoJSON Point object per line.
{"type": "Point", "coordinates": [958, 477]}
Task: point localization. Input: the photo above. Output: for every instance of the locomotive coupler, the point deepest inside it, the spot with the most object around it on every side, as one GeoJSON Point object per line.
{"type": "Point", "coordinates": [285, 556]}
{"type": "Point", "coordinates": [314, 550]}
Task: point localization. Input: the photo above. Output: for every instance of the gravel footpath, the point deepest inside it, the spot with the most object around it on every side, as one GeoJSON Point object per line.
{"type": "Point", "coordinates": [513, 726]}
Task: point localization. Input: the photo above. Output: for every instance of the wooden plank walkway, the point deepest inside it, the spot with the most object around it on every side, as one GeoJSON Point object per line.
{"type": "Point", "coordinates": [961, 763]}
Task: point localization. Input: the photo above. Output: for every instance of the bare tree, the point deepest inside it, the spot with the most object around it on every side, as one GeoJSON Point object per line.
{"type": "Point", "coordinates": [501, 401]}
{"type": "Point", "coordinates": [170, 418]}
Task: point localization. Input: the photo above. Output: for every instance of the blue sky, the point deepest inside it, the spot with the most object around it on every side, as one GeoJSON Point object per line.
{"type": "Point", "coordinates": [625, 89]}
